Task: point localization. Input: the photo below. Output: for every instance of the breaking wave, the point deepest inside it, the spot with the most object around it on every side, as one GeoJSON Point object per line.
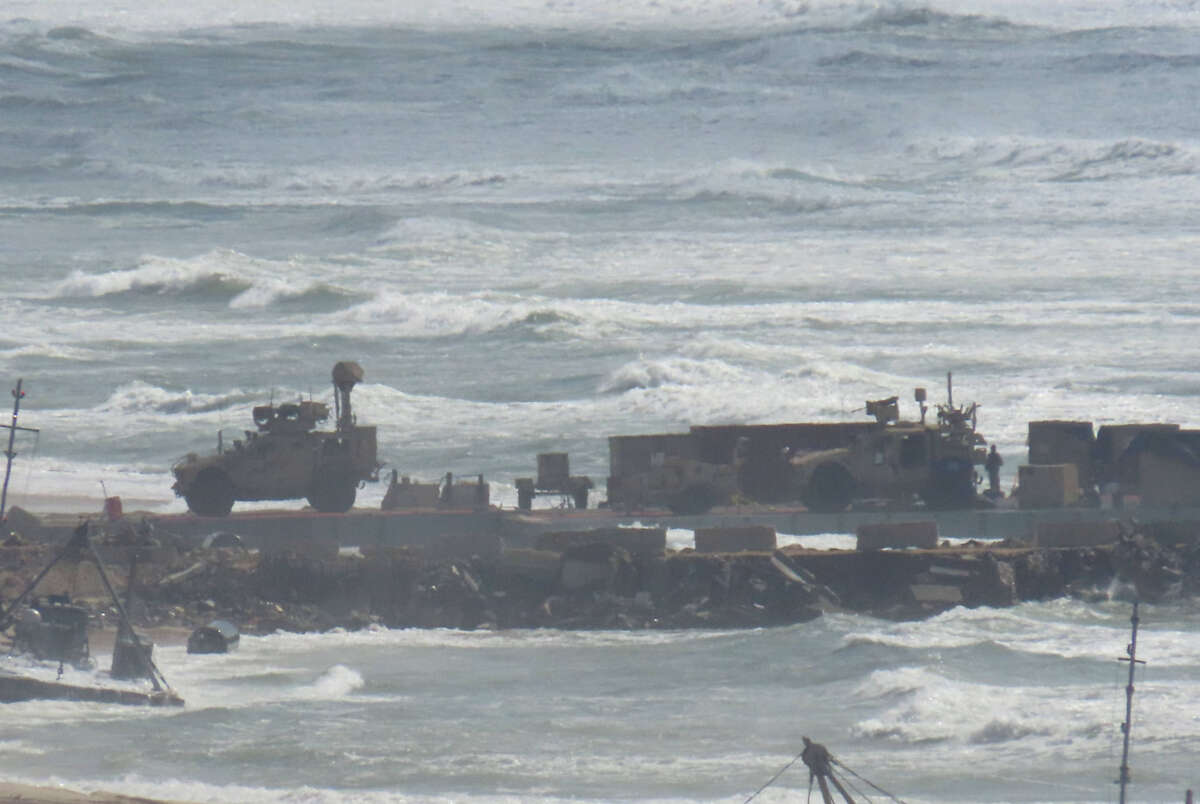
{"type": "Point", "coordinates": [141, 397]}
{"type": "Point", "coordinates": [646, 373]}
{"type": "Point", "coordinates": [229, 277]}
{"type": "Point", "coordinates": [1058, 160]}
{"type": "Point", "coordinates": [337, 682]}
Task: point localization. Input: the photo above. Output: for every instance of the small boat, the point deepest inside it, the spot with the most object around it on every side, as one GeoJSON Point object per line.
{"type": "Point", "coordinates": [53, 632]}
{"type": "Point", "coordinates": [16, 688]}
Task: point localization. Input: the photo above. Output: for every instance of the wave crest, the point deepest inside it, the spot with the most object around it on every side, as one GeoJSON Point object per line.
{"type": "Point", "coordinates": [141, 397]}
{"type": "Point", "coordinates": [223, 276]}
{"type": "Point", "coordinates": [336, 682]}
{"type": "Point", "coordinates": [644, 374]}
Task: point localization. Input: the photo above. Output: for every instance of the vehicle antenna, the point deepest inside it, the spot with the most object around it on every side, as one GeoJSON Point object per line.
{"type": "Point", "coordinates": [18, 394]}
{"type": "Point", "coordinates": [1131, 650]}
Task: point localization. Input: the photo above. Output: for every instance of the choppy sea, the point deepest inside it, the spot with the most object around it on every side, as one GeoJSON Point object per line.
{"type": "Point", "coordinates": [536, 224]}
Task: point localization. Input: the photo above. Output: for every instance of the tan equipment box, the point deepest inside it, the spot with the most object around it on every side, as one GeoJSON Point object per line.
{"type": "Point", "coordinates": [1048, 486]}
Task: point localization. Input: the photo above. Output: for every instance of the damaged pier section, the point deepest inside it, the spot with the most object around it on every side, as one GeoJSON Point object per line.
{"type": "Point", "coordinates": [601, 584]}
{"type": "Point", "coordinates": [616, 578]}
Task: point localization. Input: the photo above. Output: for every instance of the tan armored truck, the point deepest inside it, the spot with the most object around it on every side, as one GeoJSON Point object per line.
{"type": "Point", "coordinates": [897, 461]}
{"type": "Point", "coordinates": [287, 458]}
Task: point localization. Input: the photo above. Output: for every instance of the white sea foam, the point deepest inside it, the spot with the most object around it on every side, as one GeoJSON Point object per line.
{"type": "Point", "coordinates": [695, 14]}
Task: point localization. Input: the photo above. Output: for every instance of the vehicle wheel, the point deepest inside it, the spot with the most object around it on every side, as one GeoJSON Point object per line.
{"type": "Point", "coordinates": [333, 491]}
{"type": "Point", "coordinates": [525, 499]}
{"type": "Point", "coordinates": [695, 499]}
{"type": "Point", "coordinates": [830, 489]}
{"type": "Point", "coordinates": [581, 496]}
{"type": "Point", "coordinates": [211, 493]}
{"type": "Point", "coordinates": [951, 485]}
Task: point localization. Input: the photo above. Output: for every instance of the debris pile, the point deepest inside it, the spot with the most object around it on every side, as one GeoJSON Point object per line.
{"type": "Point", "coordinates": [581, 584]}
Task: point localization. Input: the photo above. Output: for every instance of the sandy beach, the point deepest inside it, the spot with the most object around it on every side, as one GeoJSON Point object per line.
{"type": "Point", "coordinates": [26, 794]}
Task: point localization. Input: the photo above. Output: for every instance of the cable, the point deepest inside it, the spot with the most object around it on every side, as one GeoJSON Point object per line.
{"type": "Point", "coordinates": [868, 781]}
{"type": "Point", "coordinates": [771, 781]}
{"type": "Point", "coordinates": [861, 795]}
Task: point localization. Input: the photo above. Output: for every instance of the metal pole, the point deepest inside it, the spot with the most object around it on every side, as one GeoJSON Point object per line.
{"type": "Point", "coordinates": [152, 671]}
{"type": "Point", "coordinates": [74, 543]}
{"type": "Point", "coordinates": [12, 434]}
{"type": "Point", "coordinates": [1125, 727]}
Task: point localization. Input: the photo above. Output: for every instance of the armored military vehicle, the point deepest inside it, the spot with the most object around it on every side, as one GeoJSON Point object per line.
{"type": "Point", "coordinates": [287, 458]}
{"type": "Point", "coordinates": [897, 461]}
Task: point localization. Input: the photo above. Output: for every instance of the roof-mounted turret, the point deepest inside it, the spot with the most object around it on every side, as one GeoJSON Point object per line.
{"type": "Point", "coordinates": [290, 417]}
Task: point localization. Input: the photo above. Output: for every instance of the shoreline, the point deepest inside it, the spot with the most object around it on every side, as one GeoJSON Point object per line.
{"type": "Point", "coordinates": [12, 793]}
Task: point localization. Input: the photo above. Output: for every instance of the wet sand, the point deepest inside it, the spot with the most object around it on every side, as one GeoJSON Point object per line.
{"type": "Point", "coordinates": [26, 794]}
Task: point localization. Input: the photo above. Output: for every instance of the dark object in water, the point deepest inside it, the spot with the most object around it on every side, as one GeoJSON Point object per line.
{"type": "Point", "coordinates": [53, 630]}
{"type": "Point", "coordinates": [132, 660]}
{"type": "Point", "coordinates": [132, 654]}
{"type": "Point", "coordinates": [219, 636]}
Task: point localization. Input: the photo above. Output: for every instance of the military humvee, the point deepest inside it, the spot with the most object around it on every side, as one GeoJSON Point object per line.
{"type": "Point", "coordinates": [287, 458]}
{"type": "Point", "coordinates": [898, 461]}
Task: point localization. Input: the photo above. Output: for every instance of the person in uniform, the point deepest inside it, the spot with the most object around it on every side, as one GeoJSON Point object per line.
{"type": "Point", "coordinates": [993, 464]}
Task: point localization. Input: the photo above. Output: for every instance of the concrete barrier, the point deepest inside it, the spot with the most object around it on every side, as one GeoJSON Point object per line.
{"type": "Point", "coordinates": [411, 494]}
{"type": "Point", "coordinates": [897, 534]}
{"type": "Point", "coordinates": [636, 540]}
{"type": "Point", "coordinates": [1048, 486]}
{"type": "Point", "coordinates": [936, 593]}
{"type": "Point", "coordinates": [735, 540]}
{"type": "Point", "coordinates": [1076, 534]}
{"type": "Point", "coordinates": [541, 566]}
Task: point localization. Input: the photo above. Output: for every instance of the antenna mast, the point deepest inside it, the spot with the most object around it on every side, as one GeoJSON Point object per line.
{"type": "Point", "coordinates": [1131, 650]}
{"type": "Point", "coordinates": [18, 394]}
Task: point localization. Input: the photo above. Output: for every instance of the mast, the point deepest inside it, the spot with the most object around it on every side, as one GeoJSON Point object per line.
{"type": "Point", "coordinates": [1131, 650]}
{"type": "Point", "coordinates": [9, 453]}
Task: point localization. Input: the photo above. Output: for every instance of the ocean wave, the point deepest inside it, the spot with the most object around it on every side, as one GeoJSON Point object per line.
{"type": "Point", "coordinates": [440, 314]}
{"type": "Point", "coordinates": [155, 277]}
{"type": "Point", "coordinates": [1132, 158]}
{"type": "Point", "coordinates": [911, 17]}
{"type": "Point", "coordinates": [16, 66]}
{"type": "Point", "coordinates": [73, 21]}
{"type": "Point", "coordinates": [50, 351]}
{"type": "Point", "coordinates": [27, 102]}
{"type": "Point", "coordinates": [336, 682]}
{"type": "Point", "coordinates": [223, 276]}
{"type": "Point", "coordinates": [1003, 730]}
{"type": "Point", "coordinates": [141, 397]}
{"type": "Point", "coordinates": [1054, 160]}
{"type": "Point", "coordinates": [655, 373]}
{"type": "Point", "coordinates": [1131, 61]}
{"type": "Point", "coordinates": [873, 61]}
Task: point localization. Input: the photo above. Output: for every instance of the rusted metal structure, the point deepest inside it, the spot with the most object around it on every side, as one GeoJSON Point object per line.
{"type": "Point", "coordinates": [449, 494]}
{"type": "Point", "coordinates": [287, 458]}
{"type": "Point", "coordinates": [10, 453]}
{"type": "Point", "coordinates": [553, 478]}
{"type": "Point", "coordinates": [54, 630]}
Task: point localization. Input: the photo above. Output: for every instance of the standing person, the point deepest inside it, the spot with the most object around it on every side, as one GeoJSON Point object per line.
{"type": "Point", "coordinates": [993, 464]}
